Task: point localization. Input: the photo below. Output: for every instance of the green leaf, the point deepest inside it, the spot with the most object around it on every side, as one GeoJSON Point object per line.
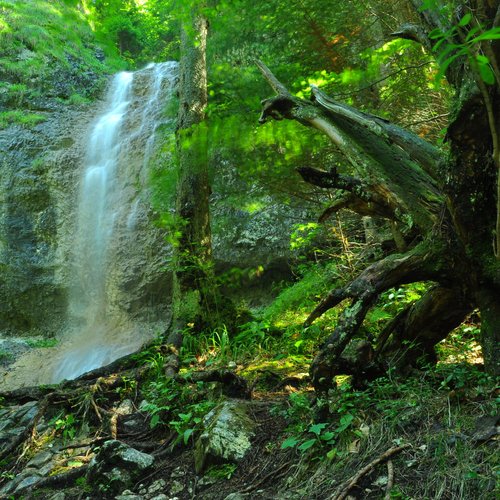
{"type": "Point", "coordinates": [290, 442]}
{"type": "Point", "coordinates": [332, 454]}
{"type": "Point", "coordinates": [444, 66]}
{"type": "Point", "coordinates": [345, 422]}
{"type": "Point", "coordinates": [307, 444]}
{"type": "Point", "coordinates": [448, 49]}
{"type": "Point", "coordinates": [472, 32]}
{"type": "Point", "coordinates": [465, 20]}
{"type": "Point", "coordinates": [155, 420]}
{"type": "Point", "coordinates": [482, 60]}
{"type": "Point", "coordinates": [486, 73]}
{"type": "Point", "coordinates": [327, 436]}
{"type": "Point", "coordinates": [187, 435]}
{"type": "Point", "coordinates": [492, 34]}
{"type": "Point", "coordinates": [435, 34]}
{"type": "Point", "coordinates": [317, 428]}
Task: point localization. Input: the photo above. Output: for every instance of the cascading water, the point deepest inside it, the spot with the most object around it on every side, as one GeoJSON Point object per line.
{"type": "Point", "coordinates": [108, 214]}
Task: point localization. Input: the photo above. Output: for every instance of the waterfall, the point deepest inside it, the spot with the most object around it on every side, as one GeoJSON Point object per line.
{"type": "Point", "coordinates": [110, 208]}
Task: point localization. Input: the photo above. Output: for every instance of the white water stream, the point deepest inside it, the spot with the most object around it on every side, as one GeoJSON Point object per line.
{"type": "Point", "coordinates": [101, 332]}
{"type": "Point", "coordinates": [110, 226]}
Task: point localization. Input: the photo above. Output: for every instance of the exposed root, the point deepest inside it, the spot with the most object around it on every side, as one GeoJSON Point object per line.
{"type": "Point", "coordinates": [421, 326]}
{"type": "Point", "coordinates": [344, 488]}
{"type": "Point", "coordinates": [390, 480]}
{"type": "Point", "coordinates": [392, 271]}
{"type": "Point", "coordinates": [60, 480]}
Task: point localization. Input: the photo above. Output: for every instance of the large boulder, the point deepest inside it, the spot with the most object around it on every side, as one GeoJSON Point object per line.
{"type": "Point", "coordinates": [227, 435]}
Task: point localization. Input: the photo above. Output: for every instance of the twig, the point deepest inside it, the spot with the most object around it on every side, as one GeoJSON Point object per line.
{"type": "Point", "coordinates": [344, 488]}
{"type": "Point", "coordinates": [272, 474]}
{"type": "Point", "coordinates": [390, 480]}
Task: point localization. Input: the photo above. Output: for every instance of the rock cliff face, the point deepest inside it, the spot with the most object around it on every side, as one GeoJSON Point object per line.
{"type": "Point", "coordinates": [40, 178]}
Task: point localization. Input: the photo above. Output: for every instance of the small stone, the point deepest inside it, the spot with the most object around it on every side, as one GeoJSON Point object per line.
{"type": "Point", "coordinates": [236, 496]}
{"type": "Point", "coordinates": [381, 481]}
{"type": "Point", "coordinates": [176, 487]}
{"type": "Point", "coordinates": [157, 486]}
{"type": "Point", "coordinates": [126, 407]}
{"type": "Point", "coordinates": [27, 482]}
{"type": "Point", "coordinates": [207, 481]}
{"type": "Point", "coordinates": [177, 472]}
{"type": "Point", "coordinates": [58, 496]}
{"type": "Point", "coordinates": [40, 459]}
{"type": "Point", "coordinates": [117, 465]}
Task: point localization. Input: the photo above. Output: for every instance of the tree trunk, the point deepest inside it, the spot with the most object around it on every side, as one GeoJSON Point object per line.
{"type": "Point", "coordinates": [450, 201]}
{"type": "Point", "coordinates": [192, 257]}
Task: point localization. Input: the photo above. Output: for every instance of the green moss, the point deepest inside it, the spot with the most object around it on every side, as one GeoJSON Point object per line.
{"type": "Point", "coordinates": [19, 117]}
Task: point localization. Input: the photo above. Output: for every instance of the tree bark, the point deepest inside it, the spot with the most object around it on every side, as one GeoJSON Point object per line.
{"type": "Point", "coordinates": [192, 259]}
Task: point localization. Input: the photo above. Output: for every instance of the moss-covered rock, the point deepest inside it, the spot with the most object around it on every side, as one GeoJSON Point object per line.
{"type": "Point", "coordinates": [227, 435]}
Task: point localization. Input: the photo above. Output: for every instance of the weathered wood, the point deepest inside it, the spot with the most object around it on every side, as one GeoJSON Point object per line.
{"type": "Point", "coordinates": [384, 155]}
{"type": "Point", "coordinates": [422, 325]}
{"type": "Point", "coordinates": [451, 200]}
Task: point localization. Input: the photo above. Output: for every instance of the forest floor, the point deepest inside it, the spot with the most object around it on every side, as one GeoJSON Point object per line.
{"type": "Point", "coordinates": [431, 435]}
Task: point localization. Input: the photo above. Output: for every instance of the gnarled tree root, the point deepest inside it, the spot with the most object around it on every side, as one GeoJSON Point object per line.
{"type": "Point", "coordinates": [392, 271]}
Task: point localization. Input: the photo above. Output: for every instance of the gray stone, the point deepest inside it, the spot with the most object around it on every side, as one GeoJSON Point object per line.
{"type": "Point", "coordinates": [117, 465]}
{"type": "Point", "coordinates": [126, 407]}
{"type": "Point", "coordinates": [128, 495]}
{"type": "Point", "coordinates": [40, 459]}
{"type": "Point", "coordinates": [27, 482]}
{"type": "Point", "coordinates": [157, 486]}
{"type": "Point", "coordinates": [226, 436]}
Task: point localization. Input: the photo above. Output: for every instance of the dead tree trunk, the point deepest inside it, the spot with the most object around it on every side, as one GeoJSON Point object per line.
{"type": "Point", "coordinates": [450, 200]}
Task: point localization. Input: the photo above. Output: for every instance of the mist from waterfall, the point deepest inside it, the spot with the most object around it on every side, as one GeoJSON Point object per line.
{"type": "Point", "coordinates": [108, 210]}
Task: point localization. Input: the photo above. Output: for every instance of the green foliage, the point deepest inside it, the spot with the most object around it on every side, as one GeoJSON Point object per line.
{"type": "Point", "coordinates": [180, 407]}
{"type": "Point", "coordinates": [19, 117]}
{"type": "Point", "coordinates": [224, 471]}
{"type": "Point", "coordinates": [43, 42]}
{"type": "Point", "coordinates": [316, 279]}
{"type": "Point", "coordinates": [5, 356]}
{"type": "Point", "coordinates": [464, 39]}
{"type": "Point", "coordinates": [42, 343]}
{"type": "Point", "coordinates": [83, 484]}
{"type": "Point", "coordinates": [66, 425]}
{"type": "Point", "coordinates": [139, 32]}
{"type": "Point", "coordinates": [320, 437]}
